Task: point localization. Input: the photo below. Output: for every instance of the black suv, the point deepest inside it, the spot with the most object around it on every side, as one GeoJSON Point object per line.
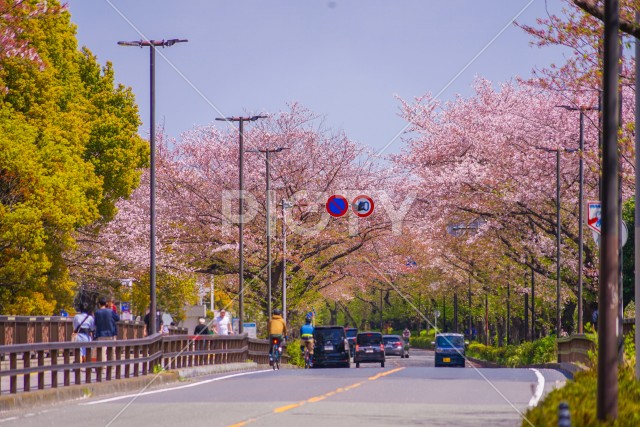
{"type": "Point", "coordinates": [330, 347]}
{"type": "Point", "coordinates": [369, 348]}
{"type": "Point", "coordinates": [351, 337]}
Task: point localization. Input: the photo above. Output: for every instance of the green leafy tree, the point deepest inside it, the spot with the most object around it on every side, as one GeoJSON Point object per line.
{"type": "Point", "coordinates": [68, 152]}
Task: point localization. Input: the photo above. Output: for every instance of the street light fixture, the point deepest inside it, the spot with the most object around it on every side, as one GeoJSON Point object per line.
{"type": "Point", "coordinates": [267, 153]}
{"type": "Point", "coordinates": [580, 207]}
{"type": "Point", "coordinates": [153, 44]}
{"type": "Point", "coordinates": [241, 121]}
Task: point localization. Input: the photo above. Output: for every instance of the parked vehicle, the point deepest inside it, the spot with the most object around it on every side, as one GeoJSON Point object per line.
{"type": "Point", "coordinates": [449, 349]}
{"type": "Point", "coordinates": [331, 347]}
{"type": "Point", "coordinates": [369, 348]}
{"type": "Point", "coordinates": [351, 337]}
{"type": "Point", "coordinates": [395, 345]}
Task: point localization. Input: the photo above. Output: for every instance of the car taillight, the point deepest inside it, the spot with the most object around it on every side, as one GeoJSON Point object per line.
{"type": "Point", "coordinates": [357, 347]}
{"type": "Point", "coordinates": [275, 341]}
{"type": "Point", "coordinates": [398, 344]}
{"type": "Point", "coordinates": [381, 347]}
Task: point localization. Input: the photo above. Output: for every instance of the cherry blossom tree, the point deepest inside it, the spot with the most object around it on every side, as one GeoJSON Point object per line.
{"type": "Point", "coordinates": [197, 183]}
{"type": "Point", "coordinates": [487, 157]}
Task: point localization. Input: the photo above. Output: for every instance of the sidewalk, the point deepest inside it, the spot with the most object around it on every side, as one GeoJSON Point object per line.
{"type": "Point", "coordinates": [51, 396]}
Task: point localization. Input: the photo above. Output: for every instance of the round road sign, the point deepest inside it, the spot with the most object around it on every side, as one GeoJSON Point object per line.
{"type": "Point", "coordinates": [337, 206]}
{"type": "Point", "coordinates": [362, 206]}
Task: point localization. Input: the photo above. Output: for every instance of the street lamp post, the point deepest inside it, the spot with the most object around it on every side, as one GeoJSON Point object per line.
{"type": "Point", "coordinates": [241, 121]}
{"type": "Point", "coordinates": [285, 205]}
{"type": "Point", "coordinates": [267, 153]}
{"type": "Point", "coordinates": [558, 235]}
{"type": "Point", "coordinates": [558, 232]}
{"type": "Point", "coordinates": [153, 44]}
{"type": "Point", "coordinates": [581, 209]}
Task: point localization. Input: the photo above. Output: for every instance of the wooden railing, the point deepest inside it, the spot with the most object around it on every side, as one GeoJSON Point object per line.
{"type": "Point", "coordinates": [59, 364]}
{"type": "Point", "coordinates": [44, 329]}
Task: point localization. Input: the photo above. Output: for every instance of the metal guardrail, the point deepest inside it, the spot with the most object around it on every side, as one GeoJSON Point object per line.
{"type": "Point", "coordinates": [44, 329]}
{"type": "Point", "coordinates": [59, 364]}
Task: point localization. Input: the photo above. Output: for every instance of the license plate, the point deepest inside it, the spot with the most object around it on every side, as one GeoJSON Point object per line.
{"type": "Point", "coordinates": [446, 359]}
{"type": "Point", "coordinates": [369, 350]}
{"type": "Point", "coordinates": [328, 347]}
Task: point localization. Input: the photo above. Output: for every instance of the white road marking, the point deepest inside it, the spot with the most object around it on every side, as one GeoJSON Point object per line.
{"type": "Point", "coordinates": [164, 390]}
{"type": "Point", "coordinates": [539, 388]}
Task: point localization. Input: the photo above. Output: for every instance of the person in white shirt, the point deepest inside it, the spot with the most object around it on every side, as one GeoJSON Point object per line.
{"type": "Point", "coordinates": [222, 324]}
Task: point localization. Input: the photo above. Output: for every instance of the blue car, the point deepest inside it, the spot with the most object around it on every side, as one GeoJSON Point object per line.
{"type": "Point", "coordinates": [449, 350]}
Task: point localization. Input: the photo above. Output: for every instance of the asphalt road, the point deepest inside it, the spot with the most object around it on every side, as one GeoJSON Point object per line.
{"type": "Point", "coordinates": [407, 392]}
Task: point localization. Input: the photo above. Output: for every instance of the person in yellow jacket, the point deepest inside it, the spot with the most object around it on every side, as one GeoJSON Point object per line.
{"type": "Point", "coordinates": [277, 329]}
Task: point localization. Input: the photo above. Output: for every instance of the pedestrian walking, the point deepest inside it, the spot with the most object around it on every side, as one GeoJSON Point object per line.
{"type": "Point", "coordinates": [201, 328]}
{"type": "Point", "coordinates": [106, 318]}
{"type": "Point", "coordinates": [84, 327]}
{"type": "Point", "coordinates": [222, 324]}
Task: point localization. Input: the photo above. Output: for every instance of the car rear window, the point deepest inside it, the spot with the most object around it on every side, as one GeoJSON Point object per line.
{"type": "Point", "coordinates": [449, 341]}
{"type": "Point", "coordinates": [351, 333]}
{"type": "Point", "coordinates": [369, 339]}
{"type": "Point", "coordinates": [329, 334]}
{"type": "Point", "coordinates": [391, 339]}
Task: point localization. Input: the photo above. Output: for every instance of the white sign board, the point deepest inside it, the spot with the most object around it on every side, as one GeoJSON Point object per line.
{"type": "Point", "coordinates": [594, 216]}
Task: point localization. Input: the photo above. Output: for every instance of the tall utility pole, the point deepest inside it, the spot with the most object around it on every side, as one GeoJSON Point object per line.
{"type": "Point", "coordinates": [470, 308]}
{"type": "Point", "coordinates": [241, 121]}
{"type": "Point", "coordinates": [533, 302]}
{"type": "Point", "coordinates": [267, 153]}
{"type": "Point", "coordinates": [636, 226]}
{"type": "Point", "coordinates": [607, 393]}
{"type": "Point", "coordinates": [558, 236]}
{"type": "Point", "coordinates": [152, 44]}
{"type": "Point", "coordinates": [558, 233]}
{"type": "Point", "coordinates": [581, 210]}
{"type": "Point", "coordinates": [285, 205]}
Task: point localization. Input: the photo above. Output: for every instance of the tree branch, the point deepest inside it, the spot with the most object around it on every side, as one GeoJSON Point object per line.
{"type": "Point", "coordinates": [592, 8]}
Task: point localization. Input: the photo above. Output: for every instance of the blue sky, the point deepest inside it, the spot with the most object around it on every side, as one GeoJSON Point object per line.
{"type": "Point", "coordinates": [343, 59]}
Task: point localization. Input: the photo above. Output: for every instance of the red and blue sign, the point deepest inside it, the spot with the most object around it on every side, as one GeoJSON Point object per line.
{"type": "Point", "coordinates": [337, 206]}
{"type": "Point", "coordinates": [362, 206]}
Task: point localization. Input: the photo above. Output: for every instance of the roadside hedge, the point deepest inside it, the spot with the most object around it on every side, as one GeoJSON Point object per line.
{"type": "Point", "coordinates": [423, 340]}
{"type": "Point", "coordinates": [544, 350]}
{"type": "Point", "coordinates": [581, 396]}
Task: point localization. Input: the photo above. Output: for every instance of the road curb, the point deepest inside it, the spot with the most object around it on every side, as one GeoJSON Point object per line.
{"type": "Point", "coordinates": [568, 369]}
{"type": "Point", "coordinates": [197, 371]}
{"type": "Point", "coordinates": [40, 398]}
{"type": "Point", "coordinates": [52, 396]}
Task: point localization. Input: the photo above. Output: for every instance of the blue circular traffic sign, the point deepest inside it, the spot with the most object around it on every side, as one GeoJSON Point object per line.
{"type": "Point", "coordinates": [337, 206]}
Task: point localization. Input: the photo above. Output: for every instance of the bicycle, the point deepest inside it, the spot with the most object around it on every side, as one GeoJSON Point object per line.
{"type": "Point", "coordinates": [276, 354]}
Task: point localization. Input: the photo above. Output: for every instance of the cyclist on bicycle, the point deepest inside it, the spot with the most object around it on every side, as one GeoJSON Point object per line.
{"type": "Point", "coordinates": [277, 329]}
{"type": "Point", "coordinates": [306, 335]}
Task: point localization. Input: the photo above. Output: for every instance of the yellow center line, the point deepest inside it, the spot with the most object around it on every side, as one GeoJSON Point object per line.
{"type": "Point", "coordinates": [242, 423]}
{"type": "Point", "coordinates": [287, 407]}
{"type": "Point", "coordinates": [375, 377]}
{"type": "Point", "coordinates": [315, 399]}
